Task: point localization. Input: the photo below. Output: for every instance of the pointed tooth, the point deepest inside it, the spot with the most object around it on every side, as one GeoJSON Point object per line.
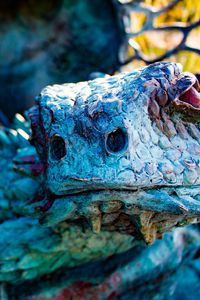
{"type": "Point", "coordinates": [95, 223]}
{"type": "Point", "coordinates": [148, 228]}
{"type": "Point", "coordinates": [93, 214]}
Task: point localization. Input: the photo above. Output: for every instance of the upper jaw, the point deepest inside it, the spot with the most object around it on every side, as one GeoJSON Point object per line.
{"type": "Point", "coordinates": [164, 199]}
{"type": "Point", "coordinates": [89, 191]}
{"type": "Point", "coordinates": [185, 88]}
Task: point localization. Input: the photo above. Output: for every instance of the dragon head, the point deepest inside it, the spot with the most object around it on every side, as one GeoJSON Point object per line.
{"type": "Point", "coordinates": [121, 148]}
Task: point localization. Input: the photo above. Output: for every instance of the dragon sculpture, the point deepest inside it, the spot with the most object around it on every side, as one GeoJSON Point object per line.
{"type": "Point", "coordinates": [113, 164]}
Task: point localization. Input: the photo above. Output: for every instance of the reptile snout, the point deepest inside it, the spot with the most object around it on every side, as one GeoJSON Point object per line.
{"type": "Point", "coordinates": [120, 132]}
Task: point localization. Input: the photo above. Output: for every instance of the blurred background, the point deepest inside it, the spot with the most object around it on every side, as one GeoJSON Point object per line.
{"type": "Point", "coordinates": [61, 41]}
{"type": "Point", "coordinates": [164, 30]}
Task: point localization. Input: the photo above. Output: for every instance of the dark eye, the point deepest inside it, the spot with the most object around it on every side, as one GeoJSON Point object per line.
{"type": "Point", "coordinates": [116, 141]}
{"type": "Point", "coordinates": [57, 147]}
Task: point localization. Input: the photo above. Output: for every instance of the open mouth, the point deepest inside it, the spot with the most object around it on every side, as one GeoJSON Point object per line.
{"type": "Point", "coordinates": [124, 210]}
{"type": "Point", "coordinates": [192, 95]}
{"type": "Point", "coordinates": [189, 88]}
{"type": "Point", "coordinates": [90, 200]}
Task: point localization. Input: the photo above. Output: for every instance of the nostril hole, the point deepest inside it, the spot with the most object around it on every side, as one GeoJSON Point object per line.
{"type": "Point", "coordinates": [117, 141]}
{"type": "Point", "coordinates": [57, 147]}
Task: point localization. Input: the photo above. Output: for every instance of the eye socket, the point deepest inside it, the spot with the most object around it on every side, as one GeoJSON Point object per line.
{"type": "Point", "coordinates": [57, 147]}
{"type": "Point", "coordinates": [117, 140]}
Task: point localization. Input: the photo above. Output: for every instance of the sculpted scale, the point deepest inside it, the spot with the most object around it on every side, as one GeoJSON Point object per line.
{"type": "Point", "coordinates": [114, 163]}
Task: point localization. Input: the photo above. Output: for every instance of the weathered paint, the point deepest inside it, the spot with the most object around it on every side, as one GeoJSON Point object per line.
{"type": "Point", "coordinates": [144, 182]}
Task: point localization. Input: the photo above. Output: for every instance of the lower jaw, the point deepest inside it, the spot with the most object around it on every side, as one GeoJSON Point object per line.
{"type": "Point", "coordinates": [145, 214]}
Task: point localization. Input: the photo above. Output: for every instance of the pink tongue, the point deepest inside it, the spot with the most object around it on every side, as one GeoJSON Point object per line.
{"type": "Point", "coordinates": [191, 97]}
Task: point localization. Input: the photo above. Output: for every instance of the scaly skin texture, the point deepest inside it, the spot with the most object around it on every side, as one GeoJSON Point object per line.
{"type": "Point", "coordinates": [117, 166]}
